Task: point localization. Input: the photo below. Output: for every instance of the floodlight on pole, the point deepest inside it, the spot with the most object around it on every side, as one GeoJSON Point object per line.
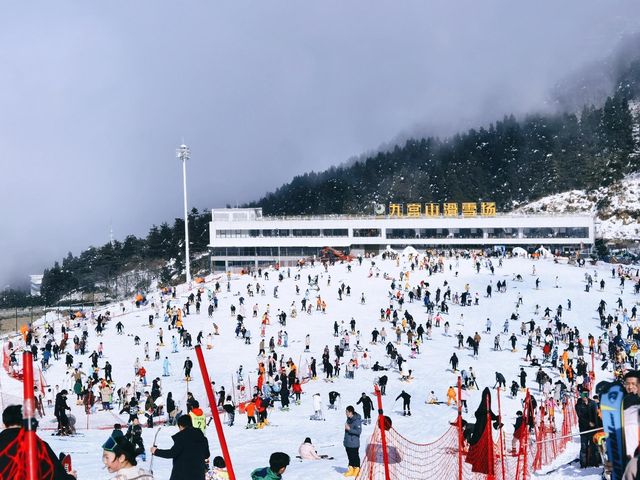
{"type": "Point", "coordinates": [183, 153]}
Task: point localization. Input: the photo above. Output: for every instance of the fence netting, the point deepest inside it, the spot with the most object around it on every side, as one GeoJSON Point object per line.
{"type": "Point", "coordinates": [495, 455]}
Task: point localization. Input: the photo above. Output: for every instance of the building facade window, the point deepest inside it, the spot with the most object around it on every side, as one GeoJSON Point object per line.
{"type": "Point", "coordinates": [366, 232]}
{"type": "Point", "coordinates": [306, 232]}
{"type": "Point", "coordinates": [502, 232]}
{"type": "Point", "coordinates": [401, 233]}
{"type": "Point", "coordinates": [275, 233]}
{"type": "Point", "coordinates": [335, 232]}
{"type": "Point", "coordinates": [556, 232]}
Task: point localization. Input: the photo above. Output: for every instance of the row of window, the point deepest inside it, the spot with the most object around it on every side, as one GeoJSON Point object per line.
{"type": "Point", "coordinates": [308, 232]}
{"type": "Point", "coordinates": [272, 252]}
{"type": "Point", "coordinates": [394, 233]}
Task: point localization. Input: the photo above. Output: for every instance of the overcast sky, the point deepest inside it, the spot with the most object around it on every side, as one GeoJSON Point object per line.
{"type": "Point", "coordinates": [96, 96]}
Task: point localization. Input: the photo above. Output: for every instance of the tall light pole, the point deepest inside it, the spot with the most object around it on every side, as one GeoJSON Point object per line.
{"type": "Point", "coordinates": [183, 153]}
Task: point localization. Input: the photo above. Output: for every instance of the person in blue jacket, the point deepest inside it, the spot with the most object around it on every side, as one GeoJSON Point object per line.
{"type": "Point", "coordinates": [352, 431]}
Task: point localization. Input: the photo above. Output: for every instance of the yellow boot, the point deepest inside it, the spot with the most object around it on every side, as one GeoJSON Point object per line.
{"type": "Point", "coordinates": [356, 471]}
{"type": "Point", "coordinates": [349, 473]}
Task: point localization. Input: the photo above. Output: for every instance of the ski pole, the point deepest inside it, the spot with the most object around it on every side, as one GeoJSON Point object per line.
{"type": "Point", "coordinates": [571, 435]}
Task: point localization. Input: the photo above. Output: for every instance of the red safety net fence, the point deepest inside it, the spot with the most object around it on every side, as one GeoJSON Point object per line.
{"type": "Point", "coordinates": [14, 367]}
{"type": "Point", "coordinates": [494, 456]}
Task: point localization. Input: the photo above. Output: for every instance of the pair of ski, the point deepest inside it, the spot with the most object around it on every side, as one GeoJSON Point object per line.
{"type": "Point", "coordinates": [323, 457]}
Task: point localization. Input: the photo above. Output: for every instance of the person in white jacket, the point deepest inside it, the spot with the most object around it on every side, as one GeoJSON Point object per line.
{"type": "Point", "coordinates": [307, 451]}
{"type": "Point", "coordinates": [317, 407]}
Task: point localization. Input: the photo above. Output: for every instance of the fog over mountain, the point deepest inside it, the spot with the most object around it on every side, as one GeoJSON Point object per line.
{"type": "Point", "coordinates": [96, 97]}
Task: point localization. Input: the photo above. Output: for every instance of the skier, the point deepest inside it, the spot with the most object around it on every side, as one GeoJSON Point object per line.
{"type": "Point", "coordinates": [406, 403]}
{"type": "Point", "coordinates": [188, 365]}
{"type": "Point", "coordinates": [60, 412]}
{"type": "Point", "coordinates": [514, 389]}
{"type": "Point", "coordinates": [165, 367]}
{"type": "Point", "coordinates": [454, 362]}
{"type": "Point", "coordinates": [523, 379]}
{"type": "Point", "coordinates": [134, 435]}
{"type": "Point", "coordinates": [517, 431]}
{"type": "Point", "coordinates": [500, 381]}
{"type": "Point", "coordinates": [333, 397]}
{"type": "Point", "coordinates": [367, 406]}
{"type": "Point", "coordinates": [317, 407]}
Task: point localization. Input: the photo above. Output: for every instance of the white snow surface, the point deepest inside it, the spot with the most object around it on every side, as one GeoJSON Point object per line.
{"type": "Point", "coordinates": [251, 448]}
{"type": "Point", "coordinates": [617, 207]}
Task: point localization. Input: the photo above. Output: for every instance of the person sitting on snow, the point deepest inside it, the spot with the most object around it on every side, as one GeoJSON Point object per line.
{"type": "Point", "coordinates": [307, 451]}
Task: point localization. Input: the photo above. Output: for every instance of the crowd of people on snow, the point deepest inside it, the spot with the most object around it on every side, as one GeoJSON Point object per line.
{"type": "Point", "coordinates": [413, 311]}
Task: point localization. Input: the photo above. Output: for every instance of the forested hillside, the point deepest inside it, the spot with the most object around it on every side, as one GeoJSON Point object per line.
{"type": "Point", "coordinates": [510, 162]}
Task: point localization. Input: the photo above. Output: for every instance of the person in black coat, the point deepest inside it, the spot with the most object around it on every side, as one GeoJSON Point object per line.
{"type": "Point", "coordinates": [50, 469]}
{"type": "Point", "coordinates": [60, 412]}
{"type": "Point", "coordinates": [587, 412]}
{"type": "Point", "coordinates": [478, 441]}
{"type": "Point", "coordinates": [382, 383]}
{"type": "Point", "coordinates": [190, 451]}
{"type": "Point", "coordinates": [367, 406]}
{"type": "Point", "coordinates": [483, 410]}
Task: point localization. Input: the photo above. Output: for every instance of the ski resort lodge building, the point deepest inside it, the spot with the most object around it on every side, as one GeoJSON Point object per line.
{"type": "Point", "coordinates": [244, 238]}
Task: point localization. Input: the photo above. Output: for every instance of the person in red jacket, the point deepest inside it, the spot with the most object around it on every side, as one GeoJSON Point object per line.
{"type": "Point", "coordinates": [261, 407]}
{"type": "Point", "coordinates": [142, 373]}
{"type": "Point", "coordinates": [297, 390]}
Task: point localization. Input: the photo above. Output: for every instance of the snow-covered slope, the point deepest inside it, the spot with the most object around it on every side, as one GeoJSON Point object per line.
{"type": "Point", "coordinates": [251, 448]}
{"type": "Point", "coordinates": [617, 207]}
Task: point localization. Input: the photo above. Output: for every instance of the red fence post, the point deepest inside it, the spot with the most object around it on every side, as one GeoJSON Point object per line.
{"type": "Point", "coordinates": [501, 437]}
{"type": "Point", "coordinates": [383, 435]}
{"type": "Point", "coordinates": [529, 414]}
{"type": "Point", "coordinates": [33, 467]}
{"type": "Point", "coordinates": [214, 411]}
{"type": "Point", "coordinates": [459, 425]}
{"type": "Point", "coordinates": [491, 474]}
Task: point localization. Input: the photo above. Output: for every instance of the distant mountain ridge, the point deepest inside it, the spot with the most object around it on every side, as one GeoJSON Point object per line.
{"type": "Point", "coordinates": [511, 162]}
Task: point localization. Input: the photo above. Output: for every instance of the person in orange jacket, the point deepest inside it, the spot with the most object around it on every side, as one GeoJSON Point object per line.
{"type": "Point", "coordinates": [451, 396]}
{"type": "Point", "coordinates": [250, 409]}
